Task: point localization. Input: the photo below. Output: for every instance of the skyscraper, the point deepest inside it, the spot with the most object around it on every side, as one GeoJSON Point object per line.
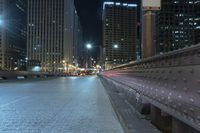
{"type": "Point", "coordinates": [12, 34]}
{"type": "Point", "coordinates": [78, 44]}
{"type": "Point", "coordinates": [119, 33]}
{"type": "Point", "coordinates": [50, 33]}
{"type": "Point", "coordinates": [177, 24]}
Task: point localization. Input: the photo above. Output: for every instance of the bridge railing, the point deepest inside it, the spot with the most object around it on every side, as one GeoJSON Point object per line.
{"type": "Point", "coordinates": [170, 82]}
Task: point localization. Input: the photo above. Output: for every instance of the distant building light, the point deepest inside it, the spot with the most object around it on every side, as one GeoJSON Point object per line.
{"type": "Point", "coordinates": [36, 69]}
{"type": "Point", "coordinates": [176, 2]}
{"type": "Point", "coordinates": [132, 5]}
{"type": "Point", "coordinates": [181, 15]}
{"type": "Point", "coordinates": [125, 4]}
{"type": "Point", "coordinates": [190, 2]}
{"type": "Point", "coordinates": [198, 27]}
{"type": "Point", "coordinates": [117, 4]}
{"type": "Point", "coordinates": [107, 3]}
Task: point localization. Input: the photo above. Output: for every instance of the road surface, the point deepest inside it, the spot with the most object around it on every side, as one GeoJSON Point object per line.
{"type": "Point", "coordinates": [62, 105]}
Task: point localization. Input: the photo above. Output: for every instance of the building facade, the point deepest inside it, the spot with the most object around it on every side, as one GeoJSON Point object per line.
{"type": "Point", "coordinates": [78, 41]}
{"type": "Point", "coordinates": [119, 33]}
{"type": "Point", "coordinates": [12, 34]}
{"type": "Point", "coordinates": [177, 24]}
{"type": "Point", "coordinates": [50, 34]}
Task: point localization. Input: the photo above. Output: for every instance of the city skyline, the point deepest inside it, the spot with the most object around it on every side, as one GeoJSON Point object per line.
{"type": "Point", "coordinates": [178, 26]}
{"type": "Point", "coordinates": [99, 66]}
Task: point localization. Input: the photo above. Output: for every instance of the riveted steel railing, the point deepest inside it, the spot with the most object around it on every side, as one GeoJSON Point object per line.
{"type": "Point", "coordinates": [170, 81]}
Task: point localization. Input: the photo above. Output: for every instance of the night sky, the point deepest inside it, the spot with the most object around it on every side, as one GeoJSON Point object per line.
{"type": "Point", "coordinates": [90, 13]}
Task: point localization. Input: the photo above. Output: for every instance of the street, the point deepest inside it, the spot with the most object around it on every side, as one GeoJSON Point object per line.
{"type": "Point", "coordinates": [60, 105]}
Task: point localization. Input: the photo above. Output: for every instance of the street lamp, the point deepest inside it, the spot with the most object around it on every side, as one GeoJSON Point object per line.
{"type": "Point", "coordinates": [89, 46]}
{"type": "Point", "coordinates": [115, 46]}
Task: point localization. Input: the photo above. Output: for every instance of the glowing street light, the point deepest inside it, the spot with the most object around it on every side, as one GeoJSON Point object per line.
{"type": "Point", "coordinates": [116, 46]}
{"type": "Point", "coordinates": [89, 46]}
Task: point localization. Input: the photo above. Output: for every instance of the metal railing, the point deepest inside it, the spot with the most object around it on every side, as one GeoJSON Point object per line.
{"type": "Point", "coordinates": [170, 81]}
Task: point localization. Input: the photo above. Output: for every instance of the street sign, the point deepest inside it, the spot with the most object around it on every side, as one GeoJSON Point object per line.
{"type": "Point", "coordinates": [151, 5]}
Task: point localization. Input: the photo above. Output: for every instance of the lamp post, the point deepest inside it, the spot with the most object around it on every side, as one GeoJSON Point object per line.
{"type": "Point", "coordinates": [115, 46]}
{"type": "Point", "coordinates": [88, 46]}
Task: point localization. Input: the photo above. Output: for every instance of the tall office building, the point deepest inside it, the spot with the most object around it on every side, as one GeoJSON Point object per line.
{"type": "Point", "coordinates": [12, 34]}
{"type": "Point", "coordinates": [119, 33]}
{"type": "Point", "coordinates": [78, 43]}
{"type": "Point", "coordinates": [50, 34]}
{"type": "Point", "coordinates": [177, 24]}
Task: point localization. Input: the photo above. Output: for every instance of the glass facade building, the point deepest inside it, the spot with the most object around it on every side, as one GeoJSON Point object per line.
{"type": "Point", "coordinates": [50, 33]}
{"type": "Point", "coordinates": [119, 33]}
{"type": "Point", "coordinates": [12, 34]}
{"type": "Point", "coordinates": [177, 24]}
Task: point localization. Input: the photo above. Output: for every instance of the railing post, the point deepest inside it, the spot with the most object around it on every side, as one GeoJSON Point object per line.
{"type": "Point", "coordinates": [180, 127]}
{"type": "Point", "coordinates": [161, 120]}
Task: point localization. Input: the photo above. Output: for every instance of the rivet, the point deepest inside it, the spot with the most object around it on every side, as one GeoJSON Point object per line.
{"type": "Point", "coordinates": [185, 80]}
{"type": "Point", "coordinates": [185, 88]}
{"type": "Point", "coordinates": [191, 100]}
